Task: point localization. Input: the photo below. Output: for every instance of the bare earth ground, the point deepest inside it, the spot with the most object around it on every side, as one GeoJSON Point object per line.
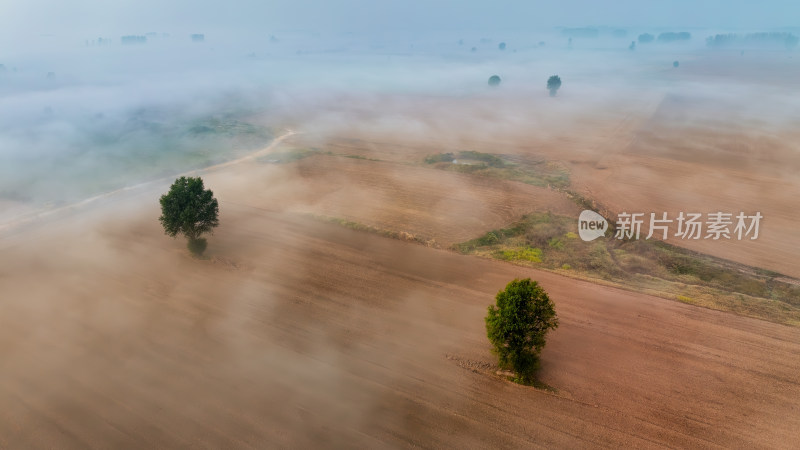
{"type": "Point", "coordinates": [303, 334]}
{"type": "Point", "coordinates": [447, 207]}
{"type": "Point", "coordinates": [665, 149]}
{"type": "Point", "coordinates": [694, 166]}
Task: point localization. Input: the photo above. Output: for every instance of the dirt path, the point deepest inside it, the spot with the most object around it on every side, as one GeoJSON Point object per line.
{"type": "Point", "coordinates": [30, 216]}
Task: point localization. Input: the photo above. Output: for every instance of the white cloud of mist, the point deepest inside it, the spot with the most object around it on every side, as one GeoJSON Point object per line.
{"type": "Point", "coordinates": [72, 109]}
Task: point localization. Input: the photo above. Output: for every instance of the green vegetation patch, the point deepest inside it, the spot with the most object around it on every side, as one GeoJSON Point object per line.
{"type": "Point", "coordinates": [538, 173]}
{"type": "Point", "coordinates": [549, 242]}
{"type": "Point", "coordinates": [522, 254]}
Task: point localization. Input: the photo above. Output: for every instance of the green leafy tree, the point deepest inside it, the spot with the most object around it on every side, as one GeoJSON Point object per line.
{"type": "Point", "coordinates": [494, 80]}
{"type": "Point", "coordinates": [518, 324]}
{"type": "Point", "coordinates": [191, 210]}
{"type": "Point", "coordinates": [553, 84]}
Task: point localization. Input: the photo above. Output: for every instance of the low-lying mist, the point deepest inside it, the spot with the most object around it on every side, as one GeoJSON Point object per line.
{"type": "Point", "coordinates": [82, 116]}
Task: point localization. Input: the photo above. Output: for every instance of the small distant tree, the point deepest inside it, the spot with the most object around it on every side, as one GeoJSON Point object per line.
{"type": "Point", "coordinates": [644, 38]}
{"type": "Point", "coordinates": [675, 64]}
{"type": "Point", "coordinates": [553, 84]}
{"type": "Point", "coordinates": [502, 46]}
{"type": "Point", "coordinates": [518, 324]}
{"type": "Point", "coordinates": [494, 80]}
{"type": "Point", "coordinates": [632, 46]}
{"type": "Point", "coordinates": [191, 210]}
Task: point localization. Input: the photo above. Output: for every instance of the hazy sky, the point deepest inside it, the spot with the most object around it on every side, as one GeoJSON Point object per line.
{"type": "Point", "coordinates": [90, 17]}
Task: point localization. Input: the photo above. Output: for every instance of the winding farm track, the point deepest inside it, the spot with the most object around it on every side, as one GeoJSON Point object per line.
{"type": "Point", "coordinates": [31, 216]}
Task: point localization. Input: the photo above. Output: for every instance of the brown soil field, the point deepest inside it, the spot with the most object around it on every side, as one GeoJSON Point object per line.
{"type": "Point", "coordinates": [296, 333]}
{"type": "Point", "coordinates": [698, 166]}
{"type": "Point", "coordinates": [659, 151]}
{"type": "Point", "coordinates": [446, 207]}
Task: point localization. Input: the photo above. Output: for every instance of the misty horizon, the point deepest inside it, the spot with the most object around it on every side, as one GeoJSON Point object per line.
{"type": "Point", "coordinates": [94, 18]}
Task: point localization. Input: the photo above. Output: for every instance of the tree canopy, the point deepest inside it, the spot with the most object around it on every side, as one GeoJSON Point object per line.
{"type": "Point", "coordinates": [494, 80]}
{"type": "Point", "coordinates": [644, 38]}
{"type": "Point", "coordinates": [518, 324]}
{"type": "Point", "coordinates": [189, 209]}
{"type": "Point", "coordinates": [553, 84]}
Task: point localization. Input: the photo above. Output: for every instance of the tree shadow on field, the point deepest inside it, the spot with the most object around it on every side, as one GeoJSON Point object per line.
{"type": "Point", "coordinates": [197, 247]}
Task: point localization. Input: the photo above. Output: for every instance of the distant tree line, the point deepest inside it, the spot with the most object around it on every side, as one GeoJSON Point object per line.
{"type": "Point", "coordinates": [787, 40]}
{"type": "Point", "coordinates": [133, 39]}
{"type": "Point", "coordinates": [671, 36]}
{"type": "Point", "coordinates": [644, 38]}
{"type": "Point", "coordinates": [99, 41]}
